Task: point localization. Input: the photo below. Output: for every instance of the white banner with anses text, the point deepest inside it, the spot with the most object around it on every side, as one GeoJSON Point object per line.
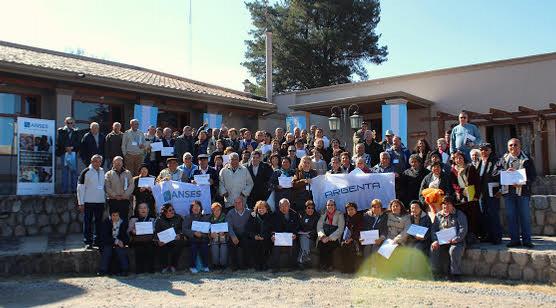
{"type": "Point", "coordinates": [180, 195]}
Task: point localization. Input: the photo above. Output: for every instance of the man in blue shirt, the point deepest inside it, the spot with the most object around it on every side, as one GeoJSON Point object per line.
{"type": "Point", "coordinates": [464, 136]}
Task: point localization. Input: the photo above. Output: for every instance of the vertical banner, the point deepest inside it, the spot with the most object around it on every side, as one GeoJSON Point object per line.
{"type": "Point", "coordinates": [296, 121]}
{"type": "Point", "coordinates": [147, 116]}
{"type": "Point", "coordinates": [213, 120]}
{"type": "Point", "coordinates": [35, 156]}
{"type": "Point", "coordinates": [394, 117]}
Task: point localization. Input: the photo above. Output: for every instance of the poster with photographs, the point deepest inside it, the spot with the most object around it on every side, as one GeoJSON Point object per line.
{"type": "Point", "coordinates": [35, 156]}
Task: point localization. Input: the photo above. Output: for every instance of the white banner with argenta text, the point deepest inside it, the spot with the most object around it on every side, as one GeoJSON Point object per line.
{"type": "Point", "coordinates": [180, 195]}
{"type": "Point", "coordinates": [358, 188]}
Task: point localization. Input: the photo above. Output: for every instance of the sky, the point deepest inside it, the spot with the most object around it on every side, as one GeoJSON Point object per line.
{"type": "Point", "coordinates": [421, 35]}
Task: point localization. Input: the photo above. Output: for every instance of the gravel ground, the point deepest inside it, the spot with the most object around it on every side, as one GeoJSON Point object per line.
{"type": "Point", "coordinates": [243, 289]}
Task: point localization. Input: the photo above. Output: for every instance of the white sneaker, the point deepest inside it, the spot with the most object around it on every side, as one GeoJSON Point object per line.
{"type": "Point", "coordinates": [172, 269]}
{"type": "Point", "coordinates": [205, 269]}
{"type": "Point", "coordinates": [193, 270]}
{"type": "Point", "coordinates": [165, 270]}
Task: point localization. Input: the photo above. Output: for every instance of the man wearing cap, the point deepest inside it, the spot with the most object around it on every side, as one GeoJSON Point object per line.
{"type": "Point", "coordinates": [388, 140]}
{"type": "Point", "coordinates": [490, 195]}
{"type": "Point", "coordinates": [172, 172]}
{"type": "Point", "coordinates": [204, 168]}
{"type": "Point", "coordinates": [464, 136]}
{"type": "Point", "coordinates": [188, 166]}
{"type": "Point", "coordinates": [235, 182]}
{"type": "Point", "coordinates": [359, 135]}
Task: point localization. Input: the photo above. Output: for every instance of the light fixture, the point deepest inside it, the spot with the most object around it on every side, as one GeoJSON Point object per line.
{"type": "Point", "coordinates": [334, 121]}
{"type": "Point", "coordinates": [355, 120]}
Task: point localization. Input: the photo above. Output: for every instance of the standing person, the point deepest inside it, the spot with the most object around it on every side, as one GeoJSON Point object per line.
{"type": "Point", "coordinates": [142, 244]}
{"type": "Point", "coordinates": [247, 141]}
{"type": "Point", "coordinates": [90, 198]}
{"type": "Point", "coordinates": [113, 240]}
{"type": "Point", "coordinates": [448, 217]}
{"type": "Point", "coordinates": [113, 143]}
{"type": "Point", "coordinates": [199, 241]}
{"type": "Point", "coordinates": [188, 167]}
{"type": "Point", "coordinates": [372, 147]}
{"type": "Point", "coordinates": [133, 147]}
{"type": "Point", "coordinates": [318, 163]}
{"type": "Point", "coordinates": [346, 165]}
{"type": "Point", "coordinates": [350, 248]}
{"type": "Point", "coordinates": [443, 149]}
{"type": "Point", "coordinates": [517, 198]}
{"type": "Point", "coordinates": [169, 252]}
{"type": "Point", "coordinates": [143, 194]}
{"type": "Point", "coordinates": [384, 166]}
{"type": "Point", "coordinates": [118, 184]}
{"type": "Point", "coordinates": [259, 232]}
{"type": "Point", "coordinates": [388, 140]}
{"type": "Point", "coordinates": [301, 183]}
{"type": "Point", "coordinates": [422, 148]}
{"type": "Point", "coordinates": [307, 233]}
{"type": "Point", "coordinates": [329, 230]}
{"type": "Point", "coordinates": [293, 157]}
{"type": "Point", "coordinates": [218, 241]}
{"type": "Point", "coordinates": [490, 205]}
{"type": "Point", "coordinates": [274, 184]}
{"type": "Point", "coordinates": [464, 136]}
{"type": "Point", "coordinates": [184, 143]}
{"type": "Point", "coordinates": [92, 143]}
{"type": "Point", "coordinates": [172, 172]}
{"type": "Point", "coordinates": [411, 179]}
{"type": "Point", "coordinates": [204, 168]}
{"type": "Point", "coordinates": [399, 155]}
{"type": "Point", "coordinates": [237, 219]}
{"type": "Point", "coordinates": [235, 182]}
{"type": "Point", "coordinates": [67, 139]}
{"type": "Point", "coordinates": [360, 153]}
{"type": "Point", "coordinates": [201, 145]}
{"type": "Point", "coordinates": [260, 175]}
{"type": "Point", "coordinates": [359, 135]}
{"type": "Point", "coordinates": [285, 220]}
{"type": "Point", "coordinates": [152, 158]}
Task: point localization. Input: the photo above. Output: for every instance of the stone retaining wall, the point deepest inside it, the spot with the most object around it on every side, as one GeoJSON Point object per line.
{"type": "Point", "coordinates": [543, 215]}
{"type": "Point", "coordinates": [32, 215]}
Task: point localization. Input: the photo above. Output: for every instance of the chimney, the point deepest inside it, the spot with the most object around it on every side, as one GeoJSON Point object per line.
{"type": "Point", "coordinates": [268, 65]}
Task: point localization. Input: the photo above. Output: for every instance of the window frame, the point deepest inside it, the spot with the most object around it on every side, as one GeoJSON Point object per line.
{"type": "Point", "coordinates": [22, 113]}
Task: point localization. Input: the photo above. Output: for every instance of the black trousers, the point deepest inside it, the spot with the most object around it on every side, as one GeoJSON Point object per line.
{"type": "Point", "coordinates": [326, 253]}
{"type": "Point", "coordinates": [121, 206]}
{"type": "Point", "coordinates": [170, 254]}
{"type": "Point", "coordinates": [260, 251]}
{"type": "Point", "coordinates": [239, 254]}
{"type": "Point", "coordinates": [144, 257]}
{"type": "Point", "coordinates": [284, 256]}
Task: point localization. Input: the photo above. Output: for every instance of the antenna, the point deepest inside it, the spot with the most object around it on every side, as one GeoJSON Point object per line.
{"type": "Point", "coordinates": [190, 40]}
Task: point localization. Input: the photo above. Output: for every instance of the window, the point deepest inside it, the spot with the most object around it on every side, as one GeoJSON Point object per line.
{"type": "Point", "coordinates": [11, 106]}
{"type": "Point", "coordinates": [104, 114]}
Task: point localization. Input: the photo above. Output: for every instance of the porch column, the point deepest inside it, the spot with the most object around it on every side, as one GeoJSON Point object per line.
{"type": "Point", "coordinates": [394, 117]}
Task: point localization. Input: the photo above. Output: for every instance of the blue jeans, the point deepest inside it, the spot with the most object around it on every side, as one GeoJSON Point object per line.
{"type": "Point", "coordinates": [491, 218]}
{"type": "Point", "coordinates": [106, 257]}
{"type": "Point", "coordinates": [69, 178]}
{"type": "Point", "coordinates": [519, 217]}
{"type": "Point", "coordinates": [92, 210]}
{"type": "Point", "coordinates": [199, 249]}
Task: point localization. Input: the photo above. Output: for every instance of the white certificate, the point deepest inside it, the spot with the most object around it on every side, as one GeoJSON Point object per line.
{"type": "Point", "coordinates": [167, 151]}
{"type": "Point", "coordinates": [387, 248]}
{"type": "Point", "coordinates": [147, 181]}
{"type": "Point", "coordinates": [357, 171]}
{"type": "Point", "coordinates": [156, 146]}
{"type": "Point", "coordinates": [518, 177]}
{"type": "Point", "coordinates": [225, 159]}
{"type": "Point", "coordinates": [417, 231]}
{"type": "Point", "coordinates": [285, 181]}
{"type": "Point", "coordinates": [283, 239]}
{"type": "Point", "coordinates": [167, 235]}
{"type": "Point", "coordinates": [446, 235]}
{"type": "Point", "coordinates": [369, 237]}
{"type": "Point", "coordinates": [300, 153]}
{"type": "Point", "coordinates": [200, 226]}
{"type": "Point", "coordinates": [470, 137]}
{"type": "Point", "coordinates": [142, 228]}
{"type": "Point", "coordinates": [218, 228]}
{"type": "Point", "coordinates": [266, 148]}
{"type": "Point", "coordinates": [493, 188]}
{"type": "Point", "coordinates": [202, 179]}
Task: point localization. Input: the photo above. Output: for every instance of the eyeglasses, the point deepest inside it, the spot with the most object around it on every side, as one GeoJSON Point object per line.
{"type": "Point", "coordinates": [70, 123]}
{"type": "Point", "coordinates": [512, 145]}
{"type": "Point", "coordinates": [309, 208]}
{"type": "Point", "coordinates": [463, 117]}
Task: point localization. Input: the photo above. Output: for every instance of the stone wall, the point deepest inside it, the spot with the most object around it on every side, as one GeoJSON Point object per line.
{"type": "Point", "coordinates": [33, 215]}
{"type": "Point", "coordinates": [543, 215]}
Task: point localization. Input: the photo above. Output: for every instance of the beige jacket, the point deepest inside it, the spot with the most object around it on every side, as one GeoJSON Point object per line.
{"type": "Point", "coordinates": [337, 220]}
{"type": "Point", "coordinates": [118, 183]}
{"type": "Point", "coordinates": [235, 184]}
{"type": "Point", "coordinates": [131, 141]}
{"type": "Point", "coordinates": [397, 227]}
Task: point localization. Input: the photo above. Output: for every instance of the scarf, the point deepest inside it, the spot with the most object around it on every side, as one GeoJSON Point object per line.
{"type": "Point", "coordinates": [330, 216]}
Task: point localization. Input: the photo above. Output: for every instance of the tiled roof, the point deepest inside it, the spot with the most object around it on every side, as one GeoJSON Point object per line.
{"type": "Point", "coordinates": [62, 62]}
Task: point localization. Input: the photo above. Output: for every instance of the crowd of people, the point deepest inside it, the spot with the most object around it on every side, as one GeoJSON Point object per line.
{"type": "Point", "coordinates": [244, 171]}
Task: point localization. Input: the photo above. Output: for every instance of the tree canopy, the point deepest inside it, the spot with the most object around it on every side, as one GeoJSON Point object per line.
{"type": "Point", "coordinates": [315, 42]}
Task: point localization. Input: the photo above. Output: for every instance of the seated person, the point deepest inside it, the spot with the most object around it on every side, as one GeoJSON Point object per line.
{"type": "Point", "coordinates": [199, 241]}
{"type": "Point", "coordinates": [375, 219]}
{"type": "Point", "coordinates": [285, 220]}
{"type": "Point", "coordinates": [398, 222]}
{"type": "Point", "coordinates": [420, 218]}
{"type": "Point", "coordinates": [218, 241]}
{"type": "Point", "coordinates": [113, 240]}
{"type": "Point", "coordinates": [351, 249]}
{"type": "Point", "coordinates": [329, 231]}
{"type": "Point", "coordinates": [308, 233]}
{"type": "Point", "coordinates": [259, 232]}
{"type": "Point", "coordinates": [169, 252]}
{"type": "Point", "coordinates": [142, 244]}
{"type": "Point", "coordinates": [451, 253]}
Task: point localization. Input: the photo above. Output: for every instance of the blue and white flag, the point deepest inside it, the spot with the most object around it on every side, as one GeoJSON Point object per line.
{"type": "Point", "coordinates": [295, 121]}
{"type": "Point", "coordinates": [394, 117]}
{"type": "Point", "coordinates": [353, 187]}
{"type": "Point", "coordinates": [213, 120]}
{"type": "Point", "coordinates": [147, 116]}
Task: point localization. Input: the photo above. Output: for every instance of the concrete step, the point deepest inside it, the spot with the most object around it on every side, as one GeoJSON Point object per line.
{"type": "Point", "coordinates": [46, 255]}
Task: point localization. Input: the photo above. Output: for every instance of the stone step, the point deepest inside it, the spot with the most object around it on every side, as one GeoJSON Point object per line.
{"type": "Point", "coordinates": [44, 255]}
